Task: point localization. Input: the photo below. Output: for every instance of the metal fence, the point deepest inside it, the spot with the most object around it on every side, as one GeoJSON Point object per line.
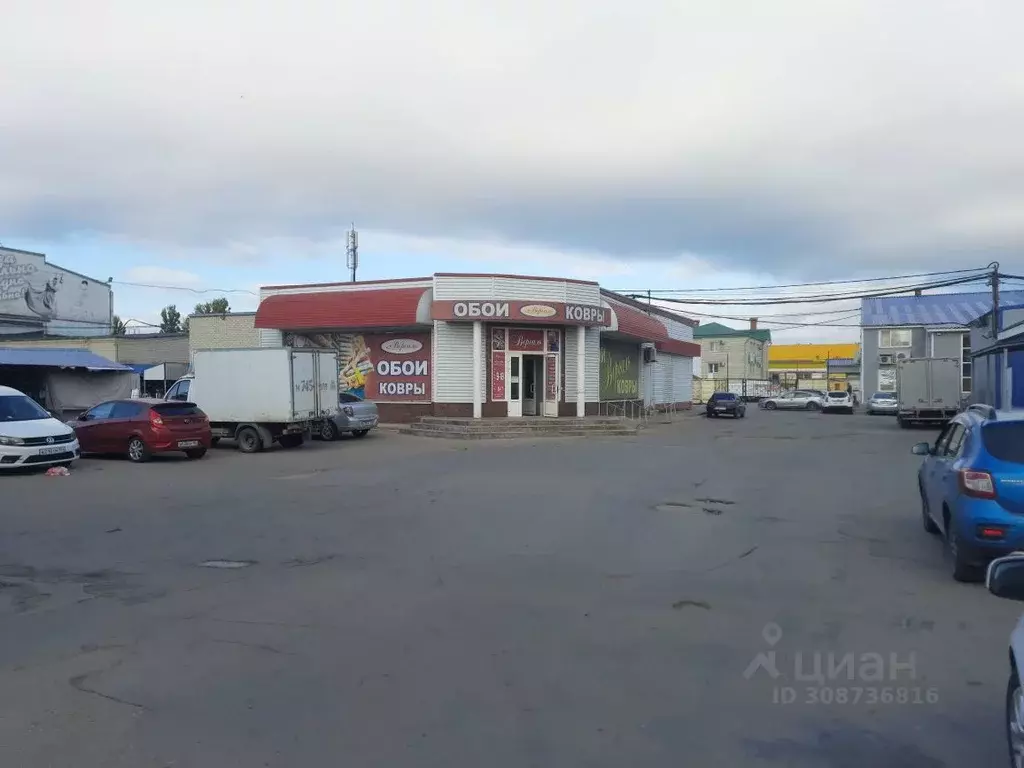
{"type": "Point", "coordinates": [747, 389]}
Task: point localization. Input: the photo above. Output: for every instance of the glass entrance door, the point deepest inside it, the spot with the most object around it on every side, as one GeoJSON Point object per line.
{"type": "Point", "coordinates": [514, 377]}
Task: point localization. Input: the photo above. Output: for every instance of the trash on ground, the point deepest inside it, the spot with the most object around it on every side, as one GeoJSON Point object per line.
{"type": "Point", "coordinates": [58, 472]}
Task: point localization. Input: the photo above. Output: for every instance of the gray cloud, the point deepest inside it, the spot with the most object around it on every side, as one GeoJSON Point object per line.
{"type": "Point", "coordinates": [790, 137]}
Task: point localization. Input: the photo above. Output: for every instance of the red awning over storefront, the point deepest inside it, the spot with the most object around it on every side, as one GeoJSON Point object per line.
{"type": "Point", "coordinates": [382, 308]}
{"type": "Point", "coordinates": [639, 325]}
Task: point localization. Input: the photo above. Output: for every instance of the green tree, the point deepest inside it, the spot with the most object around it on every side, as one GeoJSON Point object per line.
{"type": "Point", "coordinates": [117, 327]}
{"type": "Point", "coordinates": [184, 326]}
{"type": "Point", "coordinates": [216, 307]}
{"type": "Point", "coordinates": [170, 319]}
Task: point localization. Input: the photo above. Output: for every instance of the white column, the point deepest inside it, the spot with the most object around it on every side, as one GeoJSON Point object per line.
{"type": "Point", "coordinates": [478, 368]}
{"type": "Point", "coordinates": [581, 370]}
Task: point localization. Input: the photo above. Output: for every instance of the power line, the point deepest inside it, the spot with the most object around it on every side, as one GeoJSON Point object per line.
{"type": "Point", "coordinates": [768, 320]}
{"type": "Point", "coordinates": [198, 291]}
{"type": "Point", "coordinates": [819, 298]}
{"type": "Point", "coordinates": [980, 270]}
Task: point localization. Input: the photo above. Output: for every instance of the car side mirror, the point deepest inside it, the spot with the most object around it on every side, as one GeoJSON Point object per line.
{"type": "Point", "coordinates": [922, 449]}
{"type": "Point", "coordinates": [1005, 577]}
{"type": "Point", "coordinates": [83, 417]}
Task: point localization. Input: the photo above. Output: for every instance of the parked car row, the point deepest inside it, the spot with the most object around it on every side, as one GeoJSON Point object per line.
{"type": "Point", "coordinates": [137, 428]}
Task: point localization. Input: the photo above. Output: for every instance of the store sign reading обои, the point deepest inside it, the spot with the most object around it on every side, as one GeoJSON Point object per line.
{"type": "Point", "coordinates": [523, 311]}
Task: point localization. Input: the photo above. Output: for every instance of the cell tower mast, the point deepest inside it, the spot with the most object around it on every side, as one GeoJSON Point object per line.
{"type": "Point", "coordinates": [352, 251]}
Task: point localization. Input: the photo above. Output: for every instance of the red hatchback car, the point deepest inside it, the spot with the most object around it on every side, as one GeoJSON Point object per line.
{"type": "Point", "coordinates": [142, 427]}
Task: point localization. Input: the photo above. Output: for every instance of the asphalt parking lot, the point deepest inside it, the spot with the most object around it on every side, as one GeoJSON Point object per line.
{"type": "Point", "coordinates": [402, 601]}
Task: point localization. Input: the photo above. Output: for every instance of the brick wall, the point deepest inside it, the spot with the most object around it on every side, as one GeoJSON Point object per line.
{"type": "Point", "coordinates": [231, 331]}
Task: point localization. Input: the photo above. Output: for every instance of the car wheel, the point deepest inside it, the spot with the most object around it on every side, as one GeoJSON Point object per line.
{"type": "Point", "coordinates": [249, 440]}
{"type": "Point", "coordinates": [962, 570]}
{"type": "Point", "coordinates": [329, 431]}
{"type": "Point", "coordinates": [770, 406]}
{"type": "Point", "coordinates": [926, 518]}
{"type": "Point", "coordinates": [813, 407]}
{"type": "Point", "coordinates": [196, 453]}
{"type": "Point", "coordinates": [1015, 720]}
{"type": "Point", "coordinates": [137, 450]}
{"type": "Point", "coordinates": [361, 433]}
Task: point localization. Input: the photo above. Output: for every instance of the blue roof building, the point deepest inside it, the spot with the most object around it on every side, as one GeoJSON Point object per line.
{"type": "Point", "coordinates": [932, 325]}
{"type": "Point", "coordinates": [997, 357]}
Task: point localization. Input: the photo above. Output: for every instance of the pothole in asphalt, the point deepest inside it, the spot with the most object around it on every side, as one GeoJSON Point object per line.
{"type": "Point", "coordinates": [228, 564]}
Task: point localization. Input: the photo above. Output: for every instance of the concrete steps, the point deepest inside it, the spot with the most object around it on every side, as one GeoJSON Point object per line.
{"type": "Point", "coordinates": [506, 429]}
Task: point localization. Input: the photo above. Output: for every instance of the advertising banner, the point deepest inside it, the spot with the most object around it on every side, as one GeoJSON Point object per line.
{"type": "Point", "coordinates": [620, 371]}
{"type": "Point", "coordinates": [497, 376]}
{"type": "Point", "coordinates": [29, 287]}
{"type": "Point", "coordinates": [525, 340]}
{"type": "Point", "coordinates": [379, 367]}
{"type": "Point", "coordinates": [546, 312]}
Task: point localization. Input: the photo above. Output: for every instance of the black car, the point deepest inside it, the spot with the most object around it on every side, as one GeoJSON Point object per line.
{"type": "Point", "coordinates": [725, 403]}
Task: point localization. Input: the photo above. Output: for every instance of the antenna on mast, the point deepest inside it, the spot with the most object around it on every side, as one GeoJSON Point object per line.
{"type": "Point", "coordinates": [352, 251]}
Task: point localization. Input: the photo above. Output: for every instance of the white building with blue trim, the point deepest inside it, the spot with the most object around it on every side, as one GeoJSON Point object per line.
{"type": "Point", "coordinates": [997, 355]}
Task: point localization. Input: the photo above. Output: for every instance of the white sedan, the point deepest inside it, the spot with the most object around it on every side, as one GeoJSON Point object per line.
{"type": "Point", "coordinates": [31, 437]}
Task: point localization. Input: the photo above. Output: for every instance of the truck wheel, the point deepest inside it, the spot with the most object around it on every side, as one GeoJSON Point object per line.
{"type": "Point", "coordinates": [290, 441]}
{"type": "Point", "coordinates": [904, 424]}
{"type": "Point", "coordinates": [214, 441]}
{"type": "Point", "coordinates": [249, 440]}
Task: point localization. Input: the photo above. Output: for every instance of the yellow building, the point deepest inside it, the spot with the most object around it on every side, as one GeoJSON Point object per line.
{"type": "Point", "coordinates": [809, 365]}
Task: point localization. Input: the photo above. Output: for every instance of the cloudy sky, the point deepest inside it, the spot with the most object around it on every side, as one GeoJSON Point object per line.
{"type": "Point", "coordinates": [214, 144]}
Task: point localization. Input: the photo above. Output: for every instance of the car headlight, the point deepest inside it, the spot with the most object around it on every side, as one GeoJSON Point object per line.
{"type": "Point", "coordinates": [349, 410]}
{"type": "Point", "coordinates": [4, 440]}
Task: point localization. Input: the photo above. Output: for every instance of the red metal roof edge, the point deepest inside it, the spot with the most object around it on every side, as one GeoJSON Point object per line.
{"type": "Point", "coordinates": [516, 277]}
{"type": "Point", "coordinates": [678, 347]}
{"type": "Point", "coordinates": [360, 282]}
{"type": "Point", "coordinates": [651, 307]}
{"type": "Point", "coordinates": [414, 295]}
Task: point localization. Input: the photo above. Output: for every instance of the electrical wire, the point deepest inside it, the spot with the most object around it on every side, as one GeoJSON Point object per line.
{"type": "Point", "coordinates": [823, 282]}
{"type": "Point", "coordinates": [820, 298]}
{"type": "Point", "coordinates": [197, 291]}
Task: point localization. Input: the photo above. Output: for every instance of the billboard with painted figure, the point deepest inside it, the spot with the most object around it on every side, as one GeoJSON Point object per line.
{"type": "Point", "coordinates": [376, 366]}
{"type": "Point", "coordinates": [36, 291]}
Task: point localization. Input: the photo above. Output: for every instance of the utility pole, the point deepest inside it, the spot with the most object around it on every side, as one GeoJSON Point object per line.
{"type": "Point", "coordinates": [352, 251]}
{"type": "Point", "coordinates": [994, 282]}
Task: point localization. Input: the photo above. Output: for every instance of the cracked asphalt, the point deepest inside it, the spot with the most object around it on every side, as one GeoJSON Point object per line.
{"type": "Point", "coordinates": [412, 602]}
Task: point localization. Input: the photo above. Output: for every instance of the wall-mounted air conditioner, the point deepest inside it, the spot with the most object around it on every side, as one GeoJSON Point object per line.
{"type": "Point", "coordinates": [650, 353]}
{"type": "Point", "coordinates": [885, 359]}
{"type": "Point", "coordinates": [902, 356]}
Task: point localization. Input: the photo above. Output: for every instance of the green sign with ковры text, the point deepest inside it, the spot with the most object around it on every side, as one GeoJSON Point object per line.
{"type": "Point", "coordinates": [620, 371]}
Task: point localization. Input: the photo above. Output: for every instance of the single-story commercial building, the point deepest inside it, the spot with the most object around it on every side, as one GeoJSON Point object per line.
{"type": "Point", "coordinates": [478, 345]}
{"type": "Point", "coordinates": [997, 358]}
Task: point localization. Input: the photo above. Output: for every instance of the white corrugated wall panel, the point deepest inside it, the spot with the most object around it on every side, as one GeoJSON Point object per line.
{"type": "Point", "coordinates": [580, 293]}
{"type": "Point", "coordinates": [528, 290]}
{"type": "Point", "coordinates": [271, 337]}
{"type": "Point", "coordinates": [569, 335]}
{"type": "Point", "coordinates": [455, 288]}
{"type": "Point", "coordinates": [676, 330]}
{"type": "Point", "coordinates": [658, 380]}
{"type": "Point", "coordinates": [682, 374]}
{"type": "Point", "coordinates": [593, 364]}
{"type": "Point", "coordinates": [453, 362]}
{"type": "Point", "coordinates": [667, 375]}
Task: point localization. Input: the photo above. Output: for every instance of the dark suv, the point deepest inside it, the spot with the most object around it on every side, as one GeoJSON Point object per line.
{"type": "Point", "coordinates": [725, 403]}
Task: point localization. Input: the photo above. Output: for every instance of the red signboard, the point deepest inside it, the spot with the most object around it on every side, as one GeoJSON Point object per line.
{"type": "Point", "coordinates": [497, 376]}
{"type": "Point", "coordinates": [525, 340]}
{"type": "Point", "coordinates": [541, 312]}
{"type": "Point", "coordinates": [551, 378]}
{"type": "Point", "coordinates": [400, 369]}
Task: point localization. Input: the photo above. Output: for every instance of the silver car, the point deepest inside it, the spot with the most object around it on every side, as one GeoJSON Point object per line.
{"type": "Point", "coordinates": [883, 402]}
{"type": "Point", "coordinates": [354, 415]}
{"type": "Point", "coordinates": [799, 399]}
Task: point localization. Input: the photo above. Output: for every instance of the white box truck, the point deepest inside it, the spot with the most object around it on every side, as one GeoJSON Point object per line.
{"type": "Point", "coordinates": [928, 390]}
{"type": "Point", "coordinates": [261, 396]}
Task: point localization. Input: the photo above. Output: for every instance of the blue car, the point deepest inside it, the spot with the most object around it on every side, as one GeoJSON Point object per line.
{"type": "Point", "coordinates": [972, 488]}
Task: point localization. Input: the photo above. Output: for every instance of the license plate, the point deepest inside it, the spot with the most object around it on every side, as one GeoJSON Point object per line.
{"type": "Point", "coordinates": [52, 450]}
{"type": "Point", "coordinates": [188, 443]}
{"type": "Point", "coordinates": [719, 409]}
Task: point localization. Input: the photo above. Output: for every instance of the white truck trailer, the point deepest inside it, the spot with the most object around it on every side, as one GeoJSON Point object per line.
{"type": "Point", "coordinates": [261, 396]}
{"type": "Point", "coordinates": [928, 390]}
